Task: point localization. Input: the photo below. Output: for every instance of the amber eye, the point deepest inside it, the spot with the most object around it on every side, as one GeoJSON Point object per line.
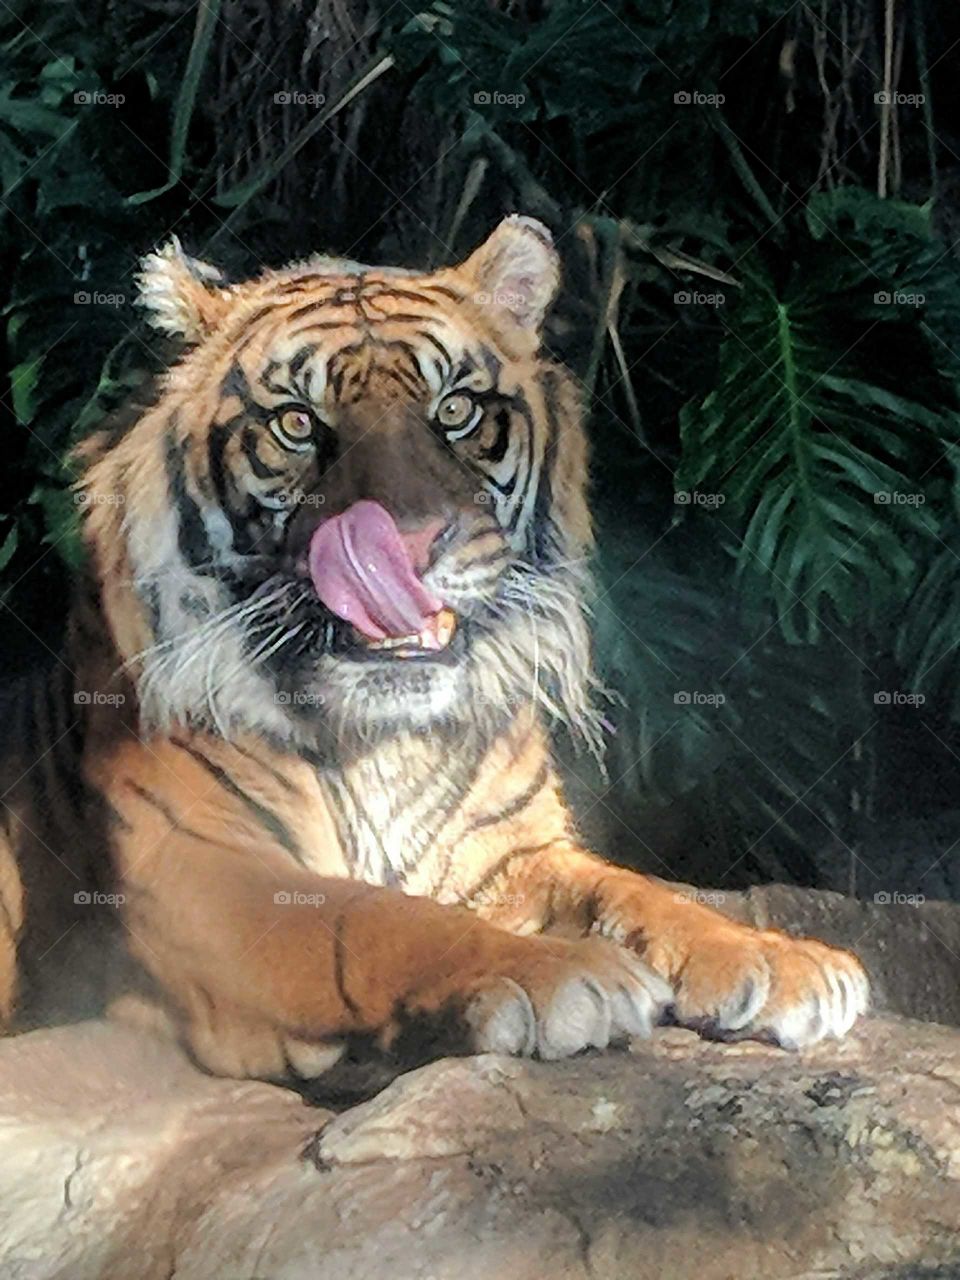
{"type": "Point", "coordinates": [457, 413]}
{"type": "Point", "coordinates": [294, 428]}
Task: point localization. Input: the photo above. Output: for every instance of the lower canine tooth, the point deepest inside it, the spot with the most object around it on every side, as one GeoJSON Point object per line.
{"type": "Point", "coordinates": [438, 632]}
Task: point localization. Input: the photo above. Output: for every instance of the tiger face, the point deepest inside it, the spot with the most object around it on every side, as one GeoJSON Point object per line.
{"type": "Point", "coordinates": [358, 507]}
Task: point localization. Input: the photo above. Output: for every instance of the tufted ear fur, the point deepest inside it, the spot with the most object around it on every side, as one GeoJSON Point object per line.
{"type": "Point", "coordinates": [181, 294]}
{"type": "Point", "coordinates": [517, 268]}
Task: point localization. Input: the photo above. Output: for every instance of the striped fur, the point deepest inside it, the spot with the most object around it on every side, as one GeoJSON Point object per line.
{"type": "Point", "coordinates": [286, 843]}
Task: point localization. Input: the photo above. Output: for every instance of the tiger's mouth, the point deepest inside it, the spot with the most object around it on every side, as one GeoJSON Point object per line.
{"type": "Point", "coordinates": [368, 574]}
{"type": "Point", "coordinates": [437, 637]}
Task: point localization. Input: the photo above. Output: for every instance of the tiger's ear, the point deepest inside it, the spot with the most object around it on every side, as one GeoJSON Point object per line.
{"type": "Point", "coordinates": [180, 293]}
{"type": "Point", "coordinates": [518, 268]}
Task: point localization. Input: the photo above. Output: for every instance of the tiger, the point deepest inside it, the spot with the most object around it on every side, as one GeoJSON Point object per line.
{"type": "Point", "coordinates": [295, 758]}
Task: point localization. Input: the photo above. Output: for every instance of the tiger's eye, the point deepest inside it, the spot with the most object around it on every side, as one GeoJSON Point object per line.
{"type": "Point", "coordinates": [455, 410]}
{"type": "Point", "coordinates": [294, 427]}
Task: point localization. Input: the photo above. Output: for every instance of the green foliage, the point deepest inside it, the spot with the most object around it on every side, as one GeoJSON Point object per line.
{"type": "Point", "coordinates": [828, 463]}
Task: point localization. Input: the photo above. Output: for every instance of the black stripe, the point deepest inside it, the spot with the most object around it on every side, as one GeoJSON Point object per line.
{"type": "Point", "coordinates": [192, 537]}
{"type": "Point", "coordinates": [391, 292]}
{"type": "Point", "coordinates": [542, 524]}
{"type": "Point", "coordinates": [266, 379]}
{"type": "Point", "coordinates": [266, 817]}
{"type": "Point", "coordinates": [403, 317]}
{"type": "Point", "coordinates": [494, 365]}
{"type": "Point", "coordinates": [516, 805]}
{"type": "Point", "coordinates": [245, 334]}
{"type": "Point", "coordinates": [266, 767]}
{"type": "Point", "coordinates": [301, 358]}
{"type": "Point", "coordinates": [498, 450]}
{"type": "Point", "coordinates": [498, 868]}
{"type": "Point", "coordinates": [248, 443]}
{"type": "Point", "coordinates": [320, 324]}
{"type": "Point", "coordinates": [519, 500]}
{"type": "Point", "coordinates": [436, 344]}
{"type": "Point", "coordinates": [162, 807]}
{"type": "Point", "coordinates": [444, 291]}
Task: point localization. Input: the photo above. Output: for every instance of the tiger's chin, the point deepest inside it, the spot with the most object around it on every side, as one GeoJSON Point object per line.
{"type": "Point", "coordinates": [362, 693]}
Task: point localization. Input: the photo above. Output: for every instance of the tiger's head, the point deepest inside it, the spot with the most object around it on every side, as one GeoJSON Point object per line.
{"type": "Point", "coordinates": [358, 506]}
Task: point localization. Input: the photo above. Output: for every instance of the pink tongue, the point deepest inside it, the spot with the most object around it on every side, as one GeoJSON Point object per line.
{"type": "Point", "coordinates": [362, 571]}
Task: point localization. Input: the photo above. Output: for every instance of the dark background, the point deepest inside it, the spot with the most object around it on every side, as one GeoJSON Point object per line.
{"type": "Point", "coordinates": [762, 304]}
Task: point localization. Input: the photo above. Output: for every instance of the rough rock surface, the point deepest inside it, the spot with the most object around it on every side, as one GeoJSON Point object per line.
{"type": "Point", "coordinates": [675, 1160]}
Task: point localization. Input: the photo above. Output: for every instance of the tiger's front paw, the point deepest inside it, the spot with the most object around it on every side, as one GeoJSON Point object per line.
{"type": "Point", "coordinates": [738, 981]}
{"type": "Point", "coordinates": [559, 997]}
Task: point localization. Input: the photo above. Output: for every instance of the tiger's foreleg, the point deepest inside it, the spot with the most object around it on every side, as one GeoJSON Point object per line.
{"type": "Point", "coordinates": [726, 977]}
{"type": "Point", "coordinates": [268, 966]}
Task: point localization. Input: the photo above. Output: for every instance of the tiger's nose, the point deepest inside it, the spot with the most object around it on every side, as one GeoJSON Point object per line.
{"type": "Point", "coordinates": [424, 542]}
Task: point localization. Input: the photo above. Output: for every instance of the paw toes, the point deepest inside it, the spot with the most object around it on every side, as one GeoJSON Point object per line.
{"type": "Point", "coordinates": [743, 1004]}
{"type": "Point", "coordinates": [310, 1060]}
{"type": "Point", "coordinates": [792, 991]}
{"type": "Point", "coordinates": [639, 1000]}
{"type": "Point", "coordinates": [503, 1020]}
{"type": "Point", "coordinates": [825, 1001]}
{"type": "Point", "coordinates": [578, 1017]}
